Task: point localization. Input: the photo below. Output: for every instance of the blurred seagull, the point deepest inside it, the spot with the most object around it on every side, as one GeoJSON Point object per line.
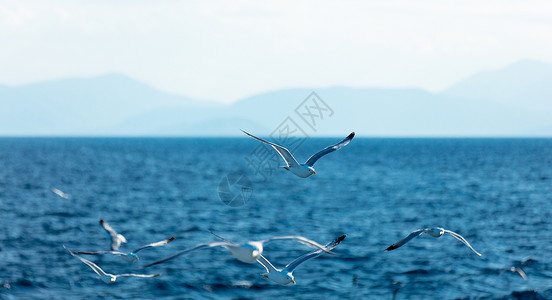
{"type": "Point", "coordinates": [116, 238]}
{"type": "Point", "coordinates": [247, 252]}
{"type": "Point", "coordinates": [517, 270]}
{"type": "Point", "coordinates": [103, 276]}
{"type": "Point", "coordinates": [434, 232]}
{"type": "Point", "coordinates": [130, 257]}
{"type": "Point", "coordinates": [59, 193]}
{"type": "Point", "coordinates": [303, 170]}
{"type": "Point", "coordinates": [285, 276]}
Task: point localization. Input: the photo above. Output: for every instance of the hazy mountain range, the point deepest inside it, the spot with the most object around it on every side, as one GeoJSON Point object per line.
{"type": "Point", "coordinates": [513, 101]}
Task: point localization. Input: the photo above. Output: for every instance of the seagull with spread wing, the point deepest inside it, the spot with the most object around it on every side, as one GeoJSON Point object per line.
{"type": "Point", "coordinates": [434, 232]}
{"type": "Point", "coordinates": [116, 238]}
{"type": "Point", "coordinates": [247, 252]}
{"type": "Point", "coordinates": [303, 170]}
{"type": "Point", "coordinates": [130, 257]}
{"type": "Point", "coordinates": [285, 276]}
{"type": "Point", "coordinates": [106, 277]}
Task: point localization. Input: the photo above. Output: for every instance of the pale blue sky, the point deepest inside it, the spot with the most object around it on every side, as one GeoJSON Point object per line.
{"type": "Point", "coordinates": [227, 50]}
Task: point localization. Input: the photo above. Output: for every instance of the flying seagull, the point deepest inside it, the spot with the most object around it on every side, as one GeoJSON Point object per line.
{"type": "Point", "coordinates": [519, 271]}
{"type": "Point", "coordinates": [59, 193]}
{"type": "Point", "coordinates": [247, 252]}
{"type": "Point", "coordinates": [285, 276]}
{"type": "Point", "coordinates": [303, 170]}
{"type": "Point", "coordinates": [130, 257]}
{"type": "Point", "coordinates": [516, 270]}
{"type": "Point", "coordinates": [116, 238]}
{"type": "Point", "coordinates": [434, 232]}
{"type": "Point", "coordinates": [103, 276]}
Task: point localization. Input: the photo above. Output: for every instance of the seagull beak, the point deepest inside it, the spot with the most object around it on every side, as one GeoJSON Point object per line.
{"type": "Point", "coordinates": [314, 172]}
{"type": "Point", "coordinates": [265, 276]}
{"type": "Point", "coordinates": [293, 281]}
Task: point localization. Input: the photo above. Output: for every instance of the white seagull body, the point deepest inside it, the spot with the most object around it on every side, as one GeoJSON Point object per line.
{"type": "Point", "coordinates": [59, 193]}
{"type": "Point", "coordinates": [285, 276]}
{"type": "Point", "coordinates": [103, 276]}
{"type": "Point", "coordinates": [116, 238]}
{"type": "Point", "coordinates": [303, 170]}
{"type": "Point", "coordinates": [130, 257]}
{"type": "Point", "coordinates": [434, 232]}
{"type": "Point", "coordinates": [247, 252]}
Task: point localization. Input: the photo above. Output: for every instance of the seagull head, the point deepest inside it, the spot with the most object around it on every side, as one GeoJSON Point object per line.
{"type": "Point", "coordinates": [132, 257]}
{"type": "Point", "coordinates": [256, 249]}
{"type": "Point", "coordinates": [290, 278]}
{"type": "Point", "coordinates": [312, 171]}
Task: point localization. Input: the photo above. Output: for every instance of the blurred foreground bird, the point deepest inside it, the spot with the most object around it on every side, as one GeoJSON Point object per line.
{"type": "Point", "coordinates": [103, 276]}
{"type": "Point", "coordinates": [130, 257]}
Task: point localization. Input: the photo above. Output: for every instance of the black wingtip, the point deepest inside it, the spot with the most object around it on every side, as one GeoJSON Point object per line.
{"type": "Point", "coordinates": [101, 221]}
{"type": "Point", "coordinates": [351, 136]}
{"type": "Point", "coordinates": [170, 240]}
{"type": "Point", "coordinates": [392, 247]}
{"type": "Point", "coordinates": [339, 239]}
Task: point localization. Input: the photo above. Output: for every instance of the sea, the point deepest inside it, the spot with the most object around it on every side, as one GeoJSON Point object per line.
{"type": "Point", "coordinates": [495, 192]}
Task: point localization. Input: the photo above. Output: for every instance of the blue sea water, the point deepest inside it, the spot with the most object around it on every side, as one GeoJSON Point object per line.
{"type": "Point", "coordinates": [497, 193]}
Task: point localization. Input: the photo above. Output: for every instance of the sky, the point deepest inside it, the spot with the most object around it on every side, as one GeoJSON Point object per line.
{"type": "Point", "coordinates": [227, 50]}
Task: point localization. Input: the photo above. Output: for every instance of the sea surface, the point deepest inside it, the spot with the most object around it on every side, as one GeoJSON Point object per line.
{"type": "Point", "coordinates": [497, 193]}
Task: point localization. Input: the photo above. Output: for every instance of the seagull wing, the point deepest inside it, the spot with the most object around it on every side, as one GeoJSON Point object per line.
{"type": "Point", "coordinates": [310, 162]}
{"type": "Point", "coordinates": [315, 253]}
{"type": "Point", "coordinates": [299, 239]}
{"type": "Point", "coordinates": [463, 240]}
{"type": "Point", "coordinates": [265, 263]}
{"type": "Point", "coordinates": [100, 252]}
{"type": "Point", "coordinates": [414, 234]}
{"type": "Point", "coordinates": [177, 254]}
{"type": "Point", "coordinates": [156, 244]}
{"type": "Point", "coordinates": [116, 239]}
{"type": "Point", "coordinates": [220, 237]}
{"type": "Point", "coordinates": [92, 265]}
{"type": "Point", "coordinates": [59, 193]}
{"type": "Point", "coordinates": [138, 275]}
{"type": "Point", "coordinates": [519, 271]}
{"type": "Point", "coordinates": [284, 153]}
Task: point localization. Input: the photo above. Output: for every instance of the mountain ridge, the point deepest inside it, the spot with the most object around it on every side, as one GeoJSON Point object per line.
{"type": "Point", "coordinates": [114, 104]}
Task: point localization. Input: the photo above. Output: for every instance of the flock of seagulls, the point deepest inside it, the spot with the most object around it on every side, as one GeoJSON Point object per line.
{"type": "Point", "coordinates": [252, 251]}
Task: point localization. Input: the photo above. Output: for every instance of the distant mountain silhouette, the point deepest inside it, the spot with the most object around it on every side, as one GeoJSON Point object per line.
{"type": "Point", "coordinates": [513, 101]}
{"type": "Point", "coordinates": [526, 84]}
{"type": "Point", "coordinates": [80, 106]}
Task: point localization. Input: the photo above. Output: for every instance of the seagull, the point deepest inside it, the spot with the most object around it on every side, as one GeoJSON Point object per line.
{"type": "Point", "coordinates": [285, 276]}
{"type": "Point", "coordinates": [130, 257]}
{"type": "Point", "coordinates": [59, 193]}
{"type": "Point", "coordinates": [247, 252]}
{"type": "Point", "coordinates": [303, 170]}
{"type": "Point", "coordinates": [103, 276]}
{"type": "Point", "coordinates": [516, 270]}
{"type": "Point", "coordinates": [434, 232]}
{"type": "Point", "coordinates": [116, 238]}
